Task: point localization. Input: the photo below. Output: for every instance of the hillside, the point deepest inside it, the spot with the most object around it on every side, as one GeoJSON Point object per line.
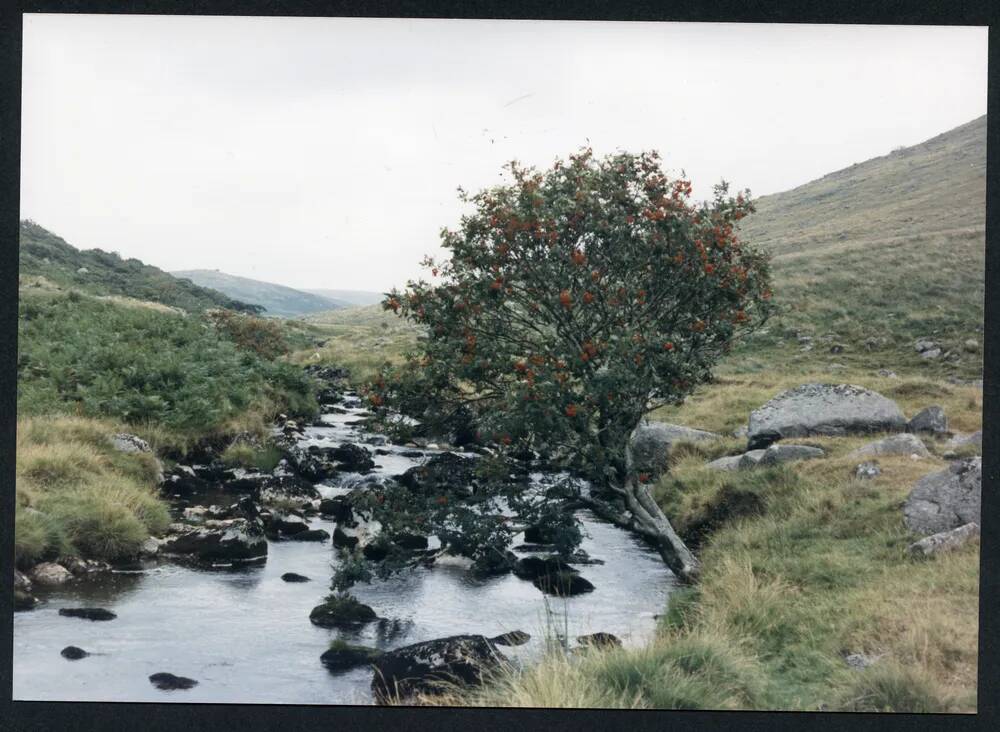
{"type": "Point", "coordinates": [276, 300]}
{"type": "Point", "coordinates": [42, 254]}
{"type": "Point", "coordinates": [870, 258]}
{"type": "Point", "coordinates": [351, 297]}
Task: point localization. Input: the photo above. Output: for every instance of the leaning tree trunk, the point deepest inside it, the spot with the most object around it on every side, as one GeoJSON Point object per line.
{"type": "Point", "coordinates": [645, 517]}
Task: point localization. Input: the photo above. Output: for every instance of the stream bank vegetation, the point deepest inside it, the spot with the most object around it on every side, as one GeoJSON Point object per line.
{"type": "Point", "coordinates": [92, 365]}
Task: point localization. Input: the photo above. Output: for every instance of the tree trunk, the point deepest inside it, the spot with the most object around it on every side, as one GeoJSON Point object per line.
{"type": "Point", "coordinates": [645, 517]}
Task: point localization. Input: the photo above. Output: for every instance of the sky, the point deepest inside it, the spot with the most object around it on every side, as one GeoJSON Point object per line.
{"type": "Point", "coordinates": [326, 152]}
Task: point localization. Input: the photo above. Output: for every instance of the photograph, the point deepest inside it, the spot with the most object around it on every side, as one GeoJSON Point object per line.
{"type": "Point", "coordinates": [454, 362]}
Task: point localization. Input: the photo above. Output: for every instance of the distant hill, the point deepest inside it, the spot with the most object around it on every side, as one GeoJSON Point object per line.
{"type": "Point", "coordinates": [276, 300]}
{"type": "Point", "coordinates": [873, 256]}
{"type": "Point", "coordinates": [353, 297]}
{"type": "Point", "coordinates": [42, 254]}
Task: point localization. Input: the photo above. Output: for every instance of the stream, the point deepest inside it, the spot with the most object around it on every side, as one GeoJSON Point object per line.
{"type": "Point", "coordinates": [245, 634]}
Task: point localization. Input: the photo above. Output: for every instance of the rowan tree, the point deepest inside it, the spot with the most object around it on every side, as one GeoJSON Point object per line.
{"type": "Point", "coordinates": [572, 302]}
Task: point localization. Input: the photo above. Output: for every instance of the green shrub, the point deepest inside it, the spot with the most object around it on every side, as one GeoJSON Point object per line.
{"type": "Point", "coordinates": [142, 366]}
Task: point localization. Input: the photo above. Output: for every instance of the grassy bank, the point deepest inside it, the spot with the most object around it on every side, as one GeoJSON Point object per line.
{"type": "Point", "coordinates": [79, 496]}
{"type": "Point", "coordinates": [92, 365]}
{"type": "Point", "coordinates": [802, 565]}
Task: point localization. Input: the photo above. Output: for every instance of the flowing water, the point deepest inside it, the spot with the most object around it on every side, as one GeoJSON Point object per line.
{"type": "Point", "coordinates": [245, 634]}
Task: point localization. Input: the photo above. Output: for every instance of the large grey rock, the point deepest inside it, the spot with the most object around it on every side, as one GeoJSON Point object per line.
{"type": "Point", "coordinates": [776, 454]}
{"type": "Point", "coordinates": [945, 541]}
{"type": "Point", "coordinates": [236, 540]}
{"type": "Point", "coordinates": [422, 668]}
{"type": "Point", "coordinates": [730, 462]}
{"type": "Point", "coordinates": [750, 458]}
{"type": "Point", "coordinates": [823, 409]}
{"type": "Point", "coordinates": [946, 499]}
{"type": "Point", "coordinates": [50, 574]}
{"type": "Point", "coordinates": [962, 440]}
{"type": "Point", "coordinates": [901, 444]}
{"type": "Point", "coordinates": [930, 419]}
{"type": "Point", "coordinates": [651, 443]}
{"type": "Point", "coordinates": [21, 581]}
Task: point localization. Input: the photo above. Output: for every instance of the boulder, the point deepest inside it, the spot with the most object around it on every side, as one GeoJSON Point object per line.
{"type": "Point", "coordinates": [922, 345]}
{"type": "Point", "coordinates": [342, 538]}
{"type": "Point", "coordinates": [338, 508]}
{"type": "Point", "coordinates": [944, 541]}
{"type": "Point", "coordinates": [562, 584]}
{"type": "Point", "coordinates": [285, 489]}
{"type": "Point", "coordinates": [292, 577]}
{"type": "Point", "coordinates": [284, 524]}
{"type": "Point", "coordinates": [776, 454]}
{"type": "Point", "coordinates": [341, 612]}
{"type": "Point", "coordinates": [422, 668]}
{"type": "Point", "coordinates": [823, 409]}
{"type": "Point", "coordinates": [239, 540]}
{"type": "Point", "coordinates": [50, 574]}
{"type": "Point", "coordinates": [651, 442]}
{"type": "Point", "coordinates": [930, 419]}
{"type": "Point", "coordinates": [867, 470]}
{"type": "Point", "coordinates": [444, 473]}
{"type": "Point", "coordinates": [931, 353]}
{"type": "Point", "coordinates": [129, 443]}
{"type": "Point", "coordinates": [730, 462]}
{"type": "Point", "coordinates": [182, 481]}
{"type": "Point", "coordinates": [599, 640]}
{"type": "Point", "coordinates": [169, 682]}
{"type": "Point", "coordinates": [946, 499]}
{"type": "Point", "coordinates": [72, 653]}
{"type": "Point", "coordinates": [311, 535]}
{"type": "Point", "coordinates": [970, 346]}
{"type": "Point", "coordinates": [311, 463]}
{"type": "Point", "coordinates": [150, 547]}
{"type": "Point", "coordinates": [343, 657]}
{"type": "Point", "coordinates": [352, 458]}
{"type": "Point", "coordinates": [21, 581]}
{"type": "Point", "coordinates": [963, 440]}
{"type": "Point", "coordinates": [87, 613]}
{"type": "Point", "coordinates": [530, 568]}
{"type": "Point", "coordinates": [513, 638]}
{"type": "Point", "coordinates": [901, 444]}
{"type": "Point", "coordinates": [750, 458]}
{"type": "Point", "coordinates": [24, 601]}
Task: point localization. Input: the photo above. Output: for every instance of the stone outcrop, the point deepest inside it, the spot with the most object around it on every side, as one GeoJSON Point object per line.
{"type": "Point", "coordinates": [823, 409]}
{"type": "Point", "coordinates": [946, 499]}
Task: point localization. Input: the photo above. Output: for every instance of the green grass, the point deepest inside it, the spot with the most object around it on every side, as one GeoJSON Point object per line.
{"type": "Point", "coordinates": [360, 339]}
{"type": "Point", "coordinates": [77, 495]}
{"type": "Point", "coordinates": [86, 356]}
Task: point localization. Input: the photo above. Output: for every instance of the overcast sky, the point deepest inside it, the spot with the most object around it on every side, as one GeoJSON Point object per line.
{"type": "Point", "coordinates": [325, 152]}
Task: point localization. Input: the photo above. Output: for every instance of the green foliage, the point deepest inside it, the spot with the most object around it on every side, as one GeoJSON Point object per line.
{"type": "Point", "coordinates": [44, 254]}
{"type": "Point", "coordinates": [142, 366]}
{"type": "Point", "coordinates": [573, 298]}
{"type": "Point", "coordinates": [259, 335]}
{"type": "Point", "coordinates": [244, 455]}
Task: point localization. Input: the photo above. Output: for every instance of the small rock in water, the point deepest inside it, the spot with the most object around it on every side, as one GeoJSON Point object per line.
{"type": "Point", "coordinates": [513, 638]}
{"type": "Point", "coordinates": [73, 653]}
{"type": "Point", "coordinates": [50, 573]}
{"type": "Point", "coordinates": [343, 657]}
{"type": "Point", "coordinates": [563, 584]}
{"type": "Point", "coordinates": [292, 577]}
{"type": "Point", "coordinates": [87, 613]}
{"type": "Point", "coordinates": [311, 535]}
{"type": "Point", "coordinates": [599, 640]}
{"type": "Point", "coordinates": [169, 682]}
{"type": "Point", "coordinates": [24, 601]}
